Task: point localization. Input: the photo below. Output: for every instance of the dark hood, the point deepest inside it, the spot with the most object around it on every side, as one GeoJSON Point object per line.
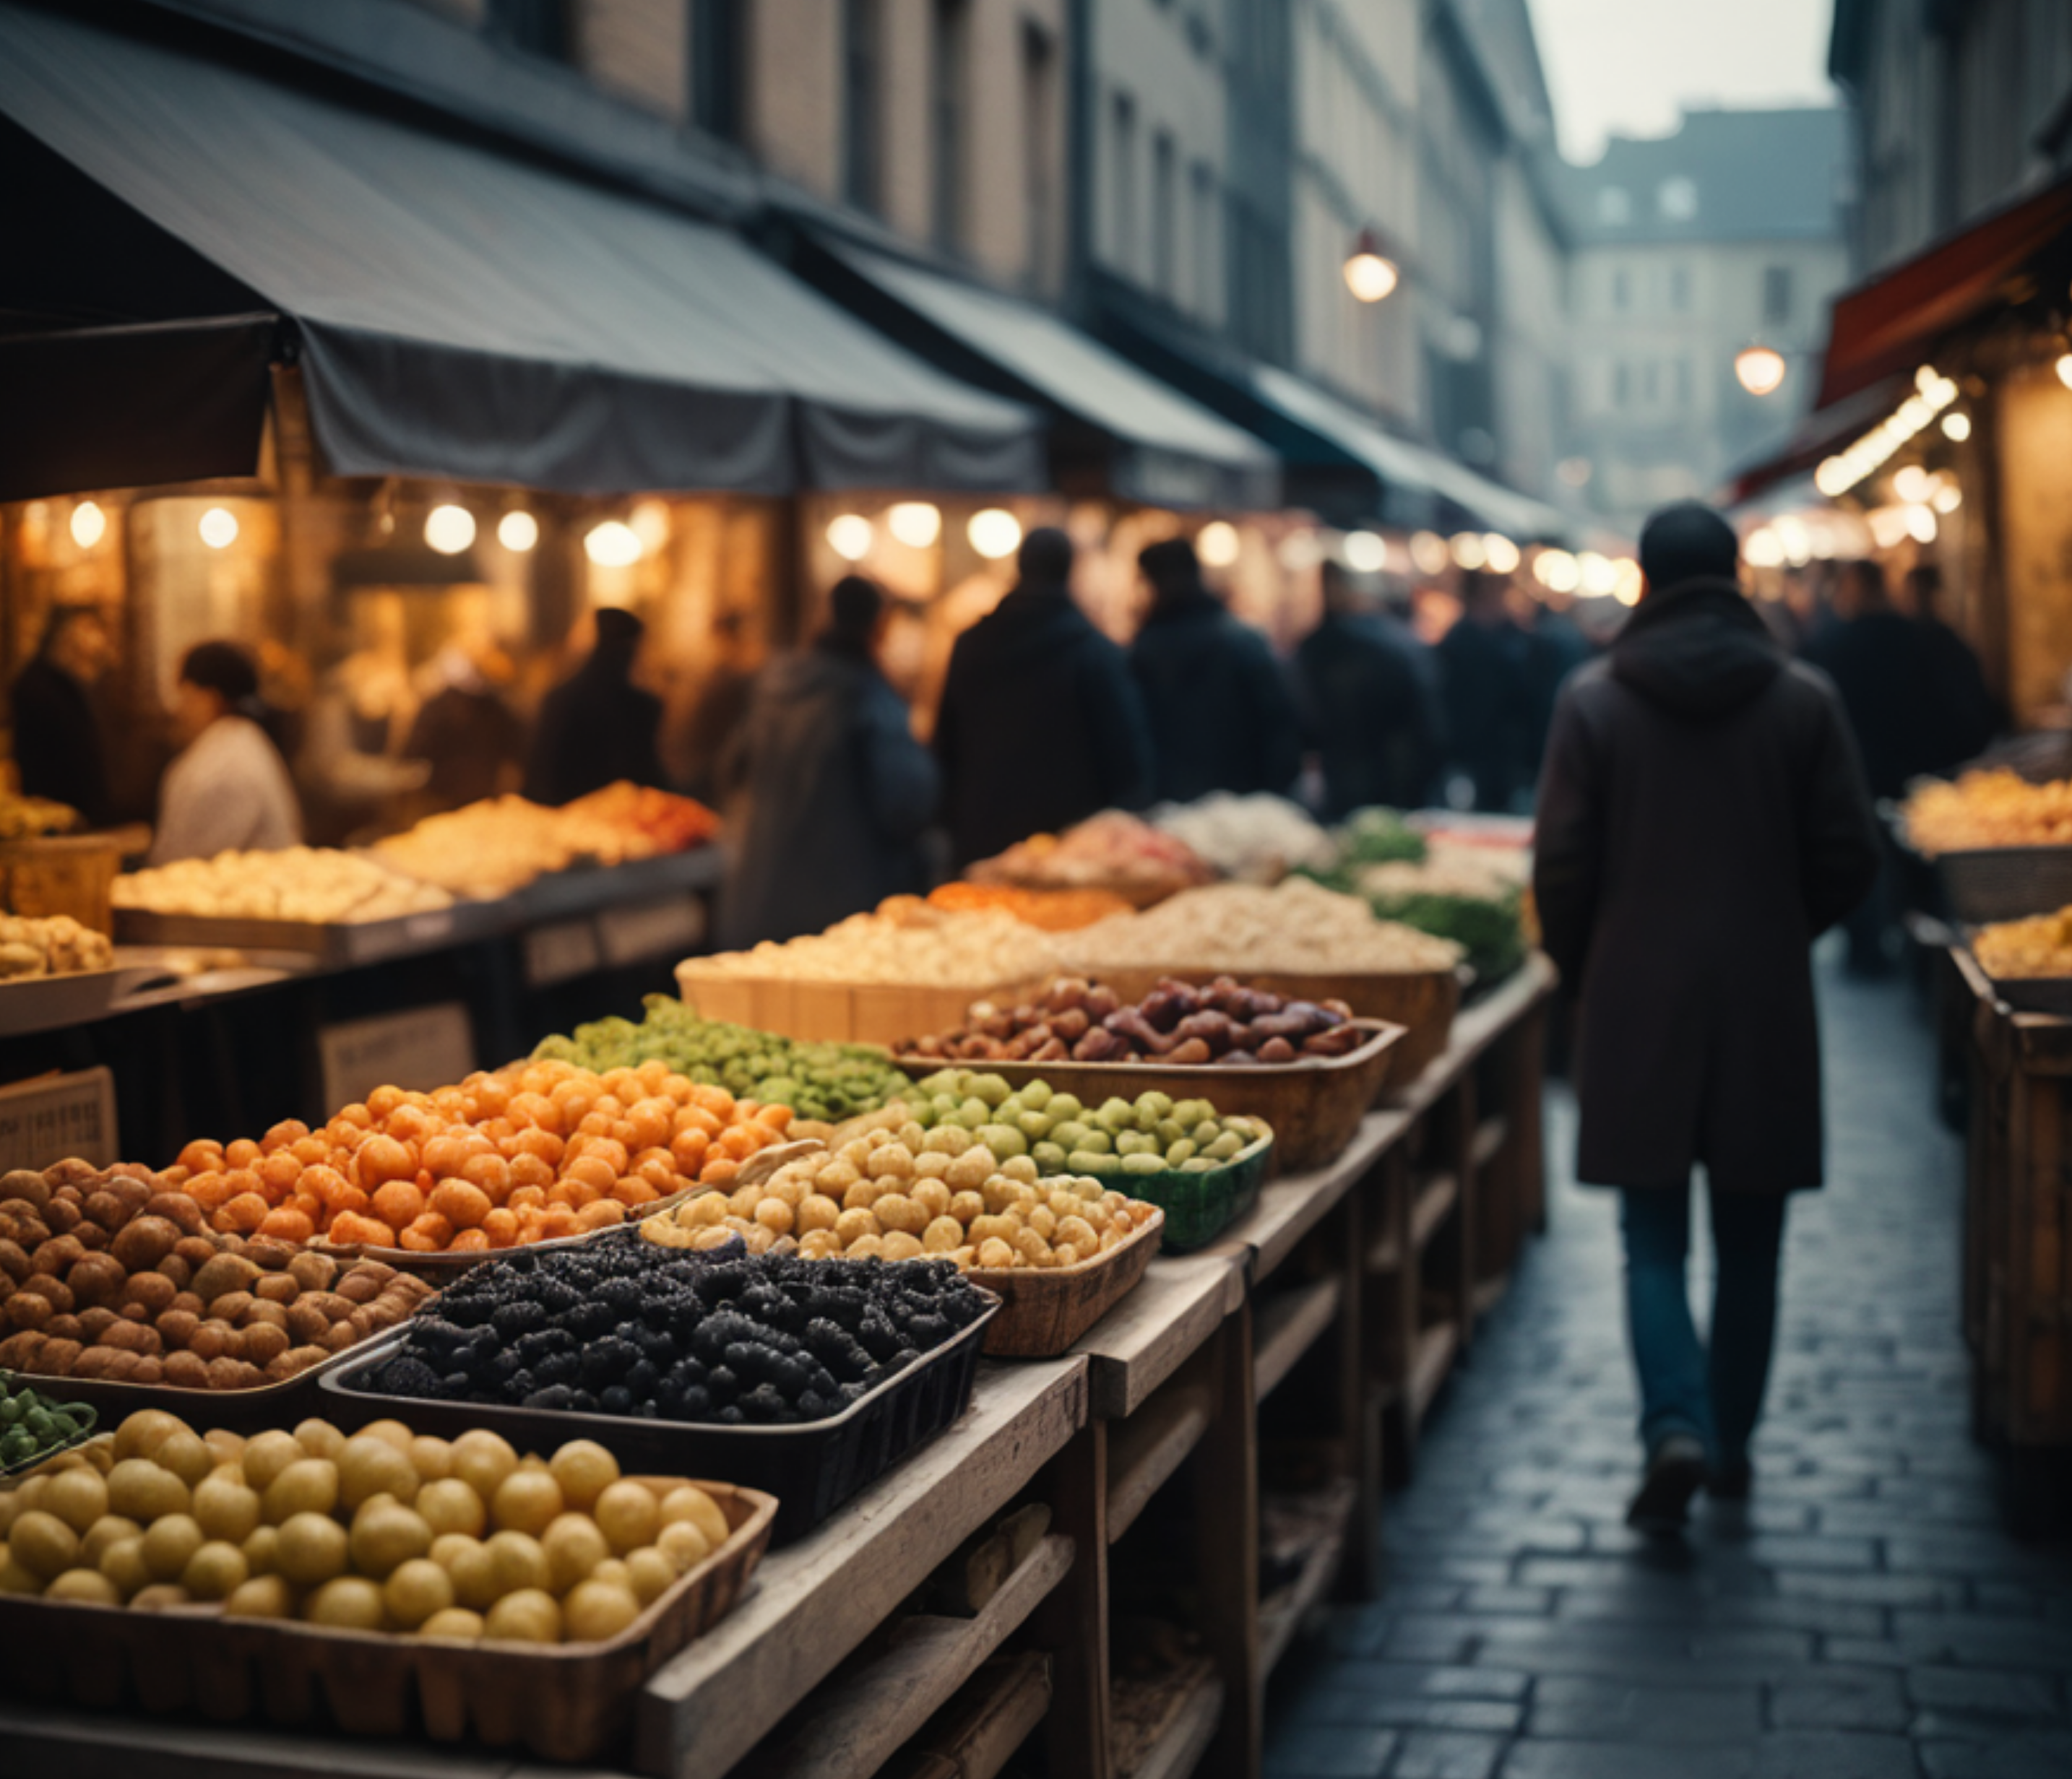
{"type": "Point", "coordinates": [1699, 650]}
{"type": "Point", "coordinates": [1031, 625]}
{"type": "Point", "coordinates": [1190, 605]}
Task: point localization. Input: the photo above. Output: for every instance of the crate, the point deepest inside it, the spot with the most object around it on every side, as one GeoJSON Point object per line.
{"type": "Point", "coordinates": [843, 1013]}
{"type": "Point", "coordinates": [64, 874]}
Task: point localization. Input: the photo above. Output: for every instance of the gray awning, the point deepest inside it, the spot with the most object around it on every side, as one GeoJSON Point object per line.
{"type": "Point", "coordinates": [1115, 427]}
{"type": "Point", "coordinates": [464, 314]}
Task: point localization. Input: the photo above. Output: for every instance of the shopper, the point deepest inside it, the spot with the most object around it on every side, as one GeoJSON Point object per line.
{"type": "Point", "coordinates": [1555, 647]}
{"type": "Point", "coordinates": [228, 789]}
{"type": "Point", "coordinates": [1966, 713]}
{"type": "Point", "coordinates": [58, 747]}
{"type": "Point", "coordinates": [467, 736]}
{"type": "Point", "coordinates": [829, 792]}
{"type": "Point", "coordinates": [597, 727]}
{"type": "Point", "coordinates": [1369, 689]}
{"type": "Point", "coordinates": [1041, 723]}
{"type": "Point", "coordinates": [1482, 665]}
{"type": "Point", "coordinates": [1702, 816]}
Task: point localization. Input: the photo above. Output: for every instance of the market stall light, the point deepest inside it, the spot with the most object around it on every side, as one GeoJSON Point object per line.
{"type": "Point", "coordinates": [518, 531]}
{"type": "Point", "coordinates": [89, 524]}
{"type": "Point", "coordinates": [1216, 544]}
{"type": "Point", "coordinates": [1795, 540]}
{"type": "Point", "coordinates": [1763, 548]}
{"type": "Point", "coordinates": [1501, 553]}
{"type": "Point", "coordinates": [2064, 370]}
{"type": "Point", "coordinates": [1299, 551]}
{"type": "Point", "coordinates": [1920, 524]}
{"type": "Point", "coordinates": [1912, 483]}
{"type": "Point", "coordinates": [1932, 394]}
{"type": "Point", "coordinates": [448, 529]}
{"type": "Point", "coordinates": [1628, 582]}
{"type": "Point", "coordinates": [1760, 369]}
{"type": "Point", "coordinates": [650, 520]}
{"type": "Point", "coordinates": [613, 544]}
{"type": "Point", "coordinates": [1468, 550]}
{"type": "Point", "coordinates": [850, 535]}
{"type": "Point", "coordinates": [994, 532]}
{"type": "Point", "coordinates": [1599, 574]}
{"type": "Point", "coordinates": [1428, 553]}
{"type": "Point", "coordinates": [219, 527]}
{"type": "Point", "coordinates": [1957, 427]}
{"type": "Point", "coordinates": [916, 524]}
{"type": "Point", "coordinates": [1371, 274]}
{"type": "Point", "coordinates": [1557, 571]}
{"type": "Point", "coordinates": [1947, 497]}
{"type": "Point", "coordinates": [1365, 553]}
{"type": "Point", "coordinates": [1888, 526]}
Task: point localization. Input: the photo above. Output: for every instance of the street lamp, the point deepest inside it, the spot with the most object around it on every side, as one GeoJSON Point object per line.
{"type": "Point", "coordinates": [1371, 274]}
{"type": "Point", "coordinates": [1760, 368]}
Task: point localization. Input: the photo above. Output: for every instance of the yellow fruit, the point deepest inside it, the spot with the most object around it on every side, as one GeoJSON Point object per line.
{"type": "Point", "coordinates": [528, 1616]}
{"type": "Point", "coordinates": [683, 1544]}
{"type": "Point", "coordinates": [415, 1591]}
{"type": "Point", "coordinates": [140, 1434]}
{"type": "Point", "coordinates": [474, 1572]}
{"type": "Point", "coordinates": [224, 1446]}
{"type": "Point", "coordinates": [574, 1548]}
{"type": "Point", "coordinates": [384, 1536]}
{"type": "Point", "coordinates": [138, 1490]}
{"type": "Point", "coordinates": [614, 1572]}
{"type": "Point", "coordinates": [596, 1610]}
{"type": "Point", "coordinates": [225, 1508]}
{"type": "Point", "coordinates": [482, 1460]}
{"type": "Point", "coordinates": [42, 1544]}
{"type": "Point", "coordinates": [11, 1504]}
{"type": "Point", "coordinates": [311, 1550]}
{"type": "Point", "coordinates": [309, 1485]}
{"type": "Point", "coordinates": [216, 1572]}
{"type": "Point", "coordinates": [170, 1545]}
{"type": "Point", "coordinates": [585, 1470]}
{"type": "Point", "coordinates": [319, 1438]}
{"type": "Point", "coordinates": [15, 1579]}
{"type": "Point", "coordinates": [182, 1452]}
{"type": "Point", "coordinates": [268, 1454]}
{"type": "Point", "coordinates": [526, 1500]}
{"type": "Point", "coordinates": [688, 1501]}
{"type": "Point", "coordinates": [456, 1622]}
{"type": "Point", "coordinates": [653, 1572]}
{"type": "Point", "coordinates": [629, 1516]}
{"type": "Point", "coordinates": [88, 1585]}
{"type": "Point", "coordinates": [368, 1466]}
{"type": "Point", "coordinates": [158, 1596]}
{"type": "Point", "coordinates": [520, 1563]}
{"type": "Point", "coordinates": [263, 1596]}
{"type": "Point", "coordinates": [123, 1563]}
{"type": "Point", "coordinates": [448, 1545]}
{"type": "Point", "coordinates": [347, 1603]}
{"type": "Point", "coordinates": [108, 1531]}
{"type": "Point", "coordinates": [79, 1497]}
{"type": "Point", "coordinates": [390, 1432]}
{"type": "Point", "coordinates": [431, 1458]}
{"type": "Point", "coordinates": [262, 1549]}
{"type": "Point", "coordinates": [449, 1505]}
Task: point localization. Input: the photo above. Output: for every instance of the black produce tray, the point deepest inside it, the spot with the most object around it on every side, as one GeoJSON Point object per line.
{"type": "Point", "coordinates": [812, 1469]}
{"type": "Point", "coordinates": [1999, 883]}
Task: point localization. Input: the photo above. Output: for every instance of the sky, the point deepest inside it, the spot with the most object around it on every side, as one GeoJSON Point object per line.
{"type": "Point", "coordinates": [1628, 67]}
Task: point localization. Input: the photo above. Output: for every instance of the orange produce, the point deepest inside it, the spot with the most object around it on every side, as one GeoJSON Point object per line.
{"type": "Point", "coordinates": [1055, 910]}
{"type": "Point", "coordinates": [532, 1152]}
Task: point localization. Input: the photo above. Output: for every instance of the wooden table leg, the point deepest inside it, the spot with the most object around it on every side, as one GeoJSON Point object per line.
{"type": "Point", "coordinates": [1072, 1623]}
{"type": "Point", "coordinates": [1226, 1528]}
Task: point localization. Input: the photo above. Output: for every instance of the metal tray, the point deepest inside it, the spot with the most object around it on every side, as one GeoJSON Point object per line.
{"type": "Point", "coordinates": [46, 1004]}
{"type": "Point", "coordinates": [338, 945]}
{"type": "Point", "coordinates": [2005, 882]}
{"type": "Point", "coordinates": [582, 889]}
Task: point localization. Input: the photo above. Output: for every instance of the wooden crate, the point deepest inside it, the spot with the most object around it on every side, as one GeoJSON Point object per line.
{"type": "Point", "coordinates": [858, 1013]}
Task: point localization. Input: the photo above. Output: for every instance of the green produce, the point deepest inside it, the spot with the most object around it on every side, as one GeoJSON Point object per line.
{"type": "Point", "coordinates": [831, 1082]}
{"type": "Point", "coordinates": [31, 1425]}
{"type": "Point", "coordinates": [1376, 835]}
{"type": "Point", "coordinates": [1119, 1139]}
{"type": "Point", "coordinates": [1489, 928]}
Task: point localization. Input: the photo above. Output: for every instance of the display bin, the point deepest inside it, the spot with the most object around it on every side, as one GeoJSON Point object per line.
{"type": "Point", "coordinates": [562, 1702]}
{"type": "Point", "coordinates": [67, 874]}
{"type": "Point", "coordinates": [1044, 1311]}
{"type": "Point", "coordinates": [335, 945]}
{"type": "Point", "coordinates": [847, 1013]}
{"type": "Point", "coordinates": [811, 1469]}
{"type": "Point", "coordinates": [1199, 1207]}
{"type": "Point", "coordinates": [2004, 882]}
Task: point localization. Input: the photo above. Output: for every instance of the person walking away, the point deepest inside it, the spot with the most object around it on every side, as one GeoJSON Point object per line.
{"type": "Point", "coordinates": [58, 747]}
{"type": "Point", "coordinates": [1041, 724]}
{"type": "Point", "coordinates": [597, 726]}
{"type": "Point", "coordinates": [1221, 714]}
{"type": "Point", "coordinates": [1882, 664]}
{"type": "Point", "coordinates": [1702, 816]}
{"type": "Point", "coordinates": [228, 789]}
{"type": "Point", "coordinates": [1965, 714]}
{"type": "Point", "coordinates": [1555, 647]}
{"type": "Point", "coordinates": [829, 791]}
{"type": "Point", "coordinates": [1369, 693]}
{"type": "Point", "coordinates": [1481, 667]}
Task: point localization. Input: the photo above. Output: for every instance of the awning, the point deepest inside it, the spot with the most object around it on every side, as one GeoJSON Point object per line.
{"type": "Point", "coordinates": [463, 314]}
{"type": "Point", "coordinates": [1896, 321]}
{"type": "Point", "coordinates": [1115, 429]}
{"type": "Point", "coordinates": [1820, 434]}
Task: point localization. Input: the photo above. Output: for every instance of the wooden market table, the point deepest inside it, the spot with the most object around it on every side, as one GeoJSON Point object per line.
{"type": "Point", "coordinates": [1345, 1297]}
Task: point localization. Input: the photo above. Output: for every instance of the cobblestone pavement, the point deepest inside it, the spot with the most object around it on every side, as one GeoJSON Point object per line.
{"type": "Point", "coordinates": [1864, 1616]}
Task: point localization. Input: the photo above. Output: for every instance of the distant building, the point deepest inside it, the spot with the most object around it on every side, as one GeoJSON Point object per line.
{"type": "Point", "coordinates": [1687, 249]}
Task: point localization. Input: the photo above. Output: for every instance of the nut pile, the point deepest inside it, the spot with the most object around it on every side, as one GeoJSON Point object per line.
{"type": "Point", "coordinates": [54, 946]}
{"type": "Point", "coordinates": [318, 885]}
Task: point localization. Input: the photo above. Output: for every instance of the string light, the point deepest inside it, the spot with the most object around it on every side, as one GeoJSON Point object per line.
{"type": "Point", "coordinates": [89, 524]}
{"type": "Point", "coordinates": [1217, 544]}
{"type": "Point", "coordinates": [994, 532]}
{"type": "Point", "coordinates": [1501, 553]}
{"type": "Point", "coordinates": [219, 527]}
{"type": "Point", "coordinates": [613, 544]}
{"type": "Point", "coordinates": [850, 536]}
{"type": "Point", "coordinates": [1469, 550]}
{"type": "Point", "coordinates": [448, 529]}
{"type": "Point", "coordinates": [1371, 274]}
{"type": "Point", "coordinates": [518, 531]}
{"type": "Point", "coordinates": [916, 524]}
{"type": "Point", "coordinates": [1932, 394]}
{"type": "Point", "coordinates": [1365, 553]}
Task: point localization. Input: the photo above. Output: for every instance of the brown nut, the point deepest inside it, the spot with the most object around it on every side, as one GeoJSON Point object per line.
{"type": "Point", "coordinates": [313, 1272]}
{"type": "Point", "coordinates": [186, 1371]}
{"type": "Point", "coordinates": [306, 1322]}
{"type": "Point", "coordinates": [264, 1343]}
{"type": "Point", "coordinates": [177, 1209]}
{"type": "Point", "coordinates": [279, 1288]}
{"type": "Point", "coordinates": [20, 1183]}
{"type": "Point", "coordinates": [231, 1305]}
{"type": "Point", "coordinates": [58, 1357]}
{"type": "Point", "coordinates": [144, 1242]}
{"type": "Point", "coordinates": [222, 1274]}
{"type": "Point", "coordinates": [197, 1251]}
{"type": "Point", "coordinates": [176, 1327]}
{"type": "Point", "coordinates": [58, 1255]}
{"type": "Point", "coordinates": [106, 1209]}
{"type": "Point", "coordinates": [153, 1292]}
{"type": "Point", "coordinates": [98, 1279]}
{"type": "Point", "coordinates": [360, 1286]}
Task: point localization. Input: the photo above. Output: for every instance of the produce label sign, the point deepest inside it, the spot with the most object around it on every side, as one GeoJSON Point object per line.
{"type": "Point", "coordinates": [418, 1051]}
{"type": "Point", "coordinates": [56, 1116]}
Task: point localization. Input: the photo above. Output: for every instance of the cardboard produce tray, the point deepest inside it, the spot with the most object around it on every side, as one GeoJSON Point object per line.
{"type": "Point", "coordinates": [854, 1013]}
{"type": "Point", "coordinates": [1314, 1105]}
{"type": "Point", "coordinates": [560, 1701]}
{"type": "Point", "coordinates": [812, 1468]}
{"type": "Point", "coordinates": [1045, 1310]}
{"type": "Point", "coordinates": [338, 945]}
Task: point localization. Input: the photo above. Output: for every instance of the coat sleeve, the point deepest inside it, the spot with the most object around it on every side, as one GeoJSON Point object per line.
{"type": "Point", "coordinates": [1567, 860]}
{"type": "Point", "coordinates": [1838, 842]}
{"type": "Point", "coordinates": [1113, 712]}
{"type": "Point", "coordinates": [900, 776]}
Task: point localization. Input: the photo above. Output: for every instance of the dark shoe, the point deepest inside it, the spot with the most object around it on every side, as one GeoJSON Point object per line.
{"type": "Point", "coordinates": [1675, 1468]}
{"type": "Point", "coordinates": [1731, 1481]}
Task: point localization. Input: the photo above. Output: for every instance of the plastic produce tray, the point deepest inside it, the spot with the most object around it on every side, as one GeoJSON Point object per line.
{"type": "Point", "coordinates": [562, 1702]}
{"type": "Point", "coordinates": [2005, 882]}
{"type": "Point", "coordinates": [812, 1469]}
{"type": "Point", "coordinates": [1199, 1207]}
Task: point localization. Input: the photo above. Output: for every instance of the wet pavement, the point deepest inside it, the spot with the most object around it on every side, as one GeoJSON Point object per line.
{"type": "Point", "coordinates": [1865, 1616]}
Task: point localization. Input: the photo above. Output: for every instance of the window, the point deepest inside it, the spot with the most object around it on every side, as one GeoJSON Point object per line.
{"type": "Point", "coordinates": [1680, 373]}
{"type": "Point", "coordinates": [1677, 200]}
{"type": "Point", "coordinates": [1621, 384]}
{"type": "Point", "coordinates": [1622, 290]}
{"type": "Point", "coordinates": [1680, 287]}
{"type": "Point", "coordinates": [539, 28]}
{"type": "Point", "coordinates": [1165, 215]}
{"type": "Point", "coordinates": [1122, 149]}
{"type": "Point", "coordinates": [861, 44]}
{"type": "Point", "coordinates": [1039, 171]}
{"type": "Point", "coordinates": [950, 79]}
{"type": "Point", "coordinates": [1777, 293]}
{"type": "Point", "coordinates": [717, 68]}
{"type": "Point", "coordinates": [1207, 282]}
{"type": "Point", "coordinates": [1614, 206]}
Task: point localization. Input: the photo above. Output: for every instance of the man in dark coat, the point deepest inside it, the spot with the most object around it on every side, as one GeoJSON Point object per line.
{"type": "Point", "coordinates": [58, 747]}
{"type": "Point", "coordinates": [1482, 667]}
{"type": "Point", "coordinates": [1221, 714]}
{"type": "Point", "coordinates": [830, 792]}
{"type": "Point", "coordinates": [597, 727]}
{"type": "Point", "coordinates": [1703, 817]}
{"type": "Point", "coordinates": [1370, 698]}
{"type": "Point", "coordinates": [1041, 724]}
{"type": "Point", "coordinates": [1966, 713]}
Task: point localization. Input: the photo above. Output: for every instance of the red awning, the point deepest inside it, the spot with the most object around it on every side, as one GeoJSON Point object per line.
{"type": "Point", "coordinates": [1895, 322]}
{"type": "Point", "coordinates": [1820, 434]}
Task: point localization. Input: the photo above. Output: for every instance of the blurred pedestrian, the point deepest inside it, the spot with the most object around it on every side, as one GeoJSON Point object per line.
{"type": "Point", "coordinates": [466, 735]}
{"type": "Point", "coordinates": [1481, 667]}
{"type": "Point", "coordinates": [1221, 714]}
{"type": "Point", "coordinates": [1702, 818]}
{"type": "Point", "coordinates": [703, 727]}
{"type": "Point", "coordinates": [228, 789]}
{"type": "Point", "coordinates": [1041, 724]}
{"type": "Point", "coordinates": [597, 726]}
{"type": "Point", "coordinates": [1555, 647]}
{"type": "Point", "coordinates": [829, 792]}
{"type": "Point", "coordinates": [58, 747]}
{"type": "Point", "coordinates": [1966, 713]}
{"type": "Point", "coordinates": [1369, 691]}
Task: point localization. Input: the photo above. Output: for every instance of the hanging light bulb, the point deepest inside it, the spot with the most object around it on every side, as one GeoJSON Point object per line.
{"type": "Point", "coordinates": [89, 524]}
{"type": "Point", "coordinates": [994, 532]}
{"type": "Point", "coordinates": [518, 531]}
{"type": "Point", "coordinates": [1469, 551]}
{"type": "Point", "coordinates": [850, 535]}
{"type": "Point", "coordinates": [1365, 553]}
{"type": "Point", "coordinates": [1428, 553]}
{"type": "Point", "coordinates": [1371, 274]}
{"type": "Point", "coordinates": [449, 529]}
{"type": "Point", "coordinates": [1957, 428]}
{"type": "Point", "coordinates": [916, 524]}
{"type": "Point", "coordinates": [1761, 369]}
{"type": "Point", "coordinates": [219, 527]}
{"type": "Point", "coordinates": [2064, 370]}
{"type": "Point", "coordinates": [1500, 553]}
{"type": "Point", "coordinates": [1217, 544]}
{"type": "Point", "coordinates": [613, 544]}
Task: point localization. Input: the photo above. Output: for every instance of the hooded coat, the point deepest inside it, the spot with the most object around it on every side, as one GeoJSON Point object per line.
{"type": "Point", "coordinates": [1221, 714]}
{"type": "Point", "coordinates": [832, 793]}
{"type": "Point", "coordinates": [1703, 817]}
{"type": "Point", "coordinates": [595, 728]}
{"type": "Point", "coordinates": [1041, 725]}
{"type": "Point", "coordinates": [1370, 705]}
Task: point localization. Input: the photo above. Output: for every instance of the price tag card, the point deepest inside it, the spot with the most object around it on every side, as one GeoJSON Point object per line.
{"type": "Point", "coordinates": [559, 951]}
{"type": "Point", "coordinates": [425, 1047]}
{"type": "Point", "coordinates": [56, 1116]}
{"type": "Point", "coordinates": [643, 930]}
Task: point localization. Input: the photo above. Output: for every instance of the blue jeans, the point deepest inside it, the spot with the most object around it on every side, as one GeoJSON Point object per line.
{"type": "Point", "coordinates": [1717, 1395]}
